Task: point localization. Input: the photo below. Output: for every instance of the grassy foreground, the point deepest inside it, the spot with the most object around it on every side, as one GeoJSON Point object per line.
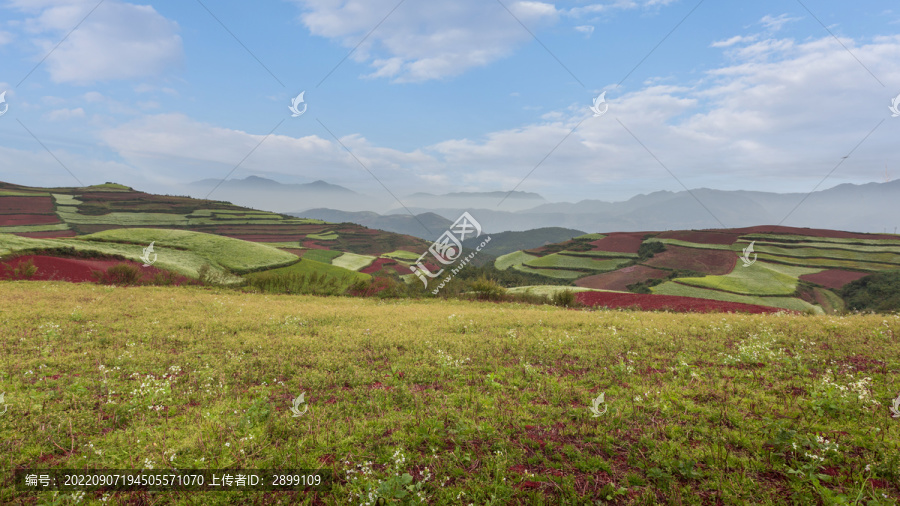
{"type": "Point", "coordinates": [447, 402]}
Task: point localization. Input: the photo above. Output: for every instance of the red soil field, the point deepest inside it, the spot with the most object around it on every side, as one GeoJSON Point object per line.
{"type": "Point", "coordinates": [650, 302]}
{"type": "Point", "coordinates": [620, 242]}
{"type": "Point", "coordinates": [311, 244]}
{"type": "Point", "coordinates": [34, 205]}
{"type": "Point", "coordinates": [833, 278]}
{"type": "Point", "coordinates": [72, 269]}
{"type": "Point", "coordinates": [620, 279]}
{"type": "Point", "coordinates": [113, 196]}
{"type": "Point", "coordinates": [13, 220]}
{"type": "Point", "coordinates": [708, 261]}
{"type": "Point", "coordinates": [814, 232]}
{"type": "Point", "coordinates": [378, 264]}
{"type": "Point", "coordinates": [48, 234]}
{"type": "Point", "coordinates": [701, 237]}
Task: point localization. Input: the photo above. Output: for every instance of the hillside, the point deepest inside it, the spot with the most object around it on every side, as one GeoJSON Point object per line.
{"type": "Point", "coordinates": [114, 221]}
{"type": "Point", "coordinates": [792, 268]}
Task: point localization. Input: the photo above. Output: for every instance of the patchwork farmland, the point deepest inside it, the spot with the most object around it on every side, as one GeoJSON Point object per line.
{"type": "Point", "coordinates": [793, 269]}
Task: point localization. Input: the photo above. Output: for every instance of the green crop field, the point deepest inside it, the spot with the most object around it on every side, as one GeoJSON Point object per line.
{"type": "Point", "coordinates": [597, 253]}
{"type": "Point", "coordinates": [446, 402]}
{"type": "Point", "coordinates": [801, 238]}
{"type": "Point", "coordinates": [402, 255]}
{"type": "Point", "coordinates": [894, 248]}
{"type": "Point", "coordinates": [676, 242]}
{"type": "Point", "coordinates": [352, 261]}
{"type": "Point", "coordinates": [557, 260]}
{"type": "Point", "coordinates": [550, 290]}
{"type": "Point", "coordinates": [311, 266]}
{"type": "Point", "coordinates": [508, 260]}
{"type": "Point", "coordinates": [325, 236]}
{"type": "Point", "coordinates": [761, 278]}
{"type": "Point", "coordinates": [550, 273]}
{"type": "Point", "coordinates": [183, 262]}
{"type": "Point", "coordinates": [828, 263]}
{"type": "Point", "coordinates": [830, 253]}
{"type": "Point", "coordinates": [322, 255]}
{"type": "Point", "coordinates": [233, 254]}
{"type": "Point", "coordinates": [792, 303]}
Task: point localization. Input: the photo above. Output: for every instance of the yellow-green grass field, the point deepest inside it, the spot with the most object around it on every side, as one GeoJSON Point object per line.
{"type": "Point", "coordinates": [760, 278]}
{"type": "Point", "coordinates": [447, 402]}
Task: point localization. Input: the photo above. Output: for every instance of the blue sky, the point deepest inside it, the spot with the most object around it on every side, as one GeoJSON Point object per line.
{"type": "Point", "coordinates": [452, 95]}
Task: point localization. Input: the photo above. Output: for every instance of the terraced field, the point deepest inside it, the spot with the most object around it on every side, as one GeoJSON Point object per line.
{"type": "Point", "coordinates": [704, 263]}
{"type": "Point", "coordinates": [761, 278]}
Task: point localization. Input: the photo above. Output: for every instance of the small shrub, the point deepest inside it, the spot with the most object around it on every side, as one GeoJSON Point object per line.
{"type": "Point", "coordinates": [487, 289]}
{"type": "Point", "coordinates": [25, 270]}
{"type": "Point", "coordinates": [650, 248]}
{"type": "Point", "coordinates": [564, 298]}
{"type": "Point", "coordinates": [121, 274]}
{"type": "Point", "coordinates": [164, 278]}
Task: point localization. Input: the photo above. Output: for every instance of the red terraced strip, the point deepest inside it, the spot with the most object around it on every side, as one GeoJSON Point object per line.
{"type": "Point", "coordinates": [28, 205]}
{"type": "Point", "coordinates": [708, 261]}
{"type": "Point", "coordinates": [18, 220]}
{"type": "Point", "coordinates": [625, 242]}
{"type": "Point", "coordinates": [701, 237]}
{"type": "Point", "coordinates": [620, 279]}
{"type": "Point", "coordinates": [833, 278]}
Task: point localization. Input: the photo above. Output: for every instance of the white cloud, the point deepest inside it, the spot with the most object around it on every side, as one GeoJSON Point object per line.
{"type": "Point", "coordinates": [585, 29]}
{"type": "Point", "coordinates": [65, 114]}
{"type": "Point", "coordinates": [737, 39]}
{"type": "Point", "coordinates": [775, 23]}
{"type": "Point", "coordinates": [117, 41]}
{"type": "Point", "coordinates": [422, 41]}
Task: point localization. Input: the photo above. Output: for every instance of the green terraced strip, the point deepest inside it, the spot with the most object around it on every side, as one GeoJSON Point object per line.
{"type": "Point", "coordinates": [559, 261]}
{"type": "Point", "coordinates": [605, 254]}
{"type": "Point", "coordinates": [13, 193]}
{"type": "Point", "coordinates": [697, 245]}
{"type": "Point", "coordinates": [673, 288]}
{"type": "Point", "coordinates": [828, 263]}
{"type": "Point", "coordinates": [353, 262]}
{"type": "Point", "coordinates": [827, 246]}
{"type": "Point", "coordinates": [233, 254]}
{"type": "Point", "coordinates": [66, 200]}
{"type": "Point", "coordinates": [551, 273]}
{"type": "Point", "coordinates": [330, 236]}
{"type": "Point", "coordinates": [402, 255]}
{"type": "Point", "coordinates": [551, 290]}
{"type": "Point", "coordinates": [589, 237]}
{"type": "Point", "coordinates": [757, 279]}
{"type": "Point", "coordinates": [321, 255]}
{"type": "Point", "coordinates": [803, 238]}
{"type": "Point", "coordinates": [837, 254]}
{"type": "Point", "coordinates": [508, 260]}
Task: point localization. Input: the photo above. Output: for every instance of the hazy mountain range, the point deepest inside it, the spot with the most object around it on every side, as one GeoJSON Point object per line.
{"type": "Point", "coordinates": [872, 207]}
